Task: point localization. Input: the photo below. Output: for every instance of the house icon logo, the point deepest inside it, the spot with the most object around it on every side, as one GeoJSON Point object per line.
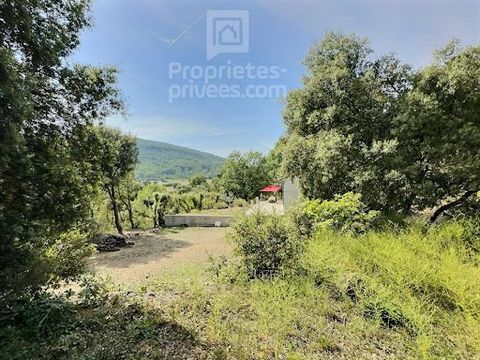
{"type": "Point", "coordinates": [227, 32]}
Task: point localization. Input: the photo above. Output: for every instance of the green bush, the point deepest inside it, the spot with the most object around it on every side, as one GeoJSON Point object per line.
{"type": "Point", "coordinates": [197, 180]}
{"type": "Point", "coordinates": [345, 214]}
{"type": "Point", "coordinates": [240, 203]}
{"type": "Point", "coordinates": [267, 244]}
{"type": "Point", "coordinates": [220, 205]}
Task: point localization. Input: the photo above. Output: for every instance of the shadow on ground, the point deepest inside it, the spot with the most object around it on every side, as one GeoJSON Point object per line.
{"type": "Point", "coordinates": [154, 254]}
{"type": "Point", "coordinates": [126, 330]}
{"type": "Point", "coordinates": [146, 248]}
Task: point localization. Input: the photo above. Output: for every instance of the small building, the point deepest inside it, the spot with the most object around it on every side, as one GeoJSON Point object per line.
{"type": "Point", "coordinates": [288, 191]}
{"type": "Point", "coordinates": [271, 190]}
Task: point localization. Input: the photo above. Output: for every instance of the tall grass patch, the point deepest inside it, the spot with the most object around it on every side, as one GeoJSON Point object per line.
{"type": "Point", "coordinates": [414, 280]}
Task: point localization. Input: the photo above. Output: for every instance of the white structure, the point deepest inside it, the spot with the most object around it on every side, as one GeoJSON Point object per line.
{"type": "Point", "coordinates": [291, 192]}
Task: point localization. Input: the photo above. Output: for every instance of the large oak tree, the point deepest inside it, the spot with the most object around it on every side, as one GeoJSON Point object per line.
{"type": "Point", "coordinates": [405, 139]}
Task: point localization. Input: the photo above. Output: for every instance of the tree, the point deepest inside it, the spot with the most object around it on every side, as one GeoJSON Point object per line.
{"type": "Point", "coordinates": [197, 180]}
{"type": "Point", "coordinates": [128, 192]}
{"type": "Point", "coordinates": [440, 128]}
{"type": "Point", "coordinates": [45, 106]}
{"type": "Point", "coordinates": [339, 125]}
{"type": "Point", "coordinates": [243, 176]}
{"type": "Point", "coordinates": [274, 159]}
{"type": "Point", "coordinates": [116, 155]}
{"type": "Point", "coordinates": [160, 204]}
{"type": "Point", "coordinates": [403, 139]}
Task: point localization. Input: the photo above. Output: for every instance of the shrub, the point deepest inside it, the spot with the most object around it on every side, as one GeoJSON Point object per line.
{"type": "Point", "coordinates": [240, 203]}
{"type": "Point", "coordinates": [197, 180]}
{"type": "Point", "coordinates": [220, 205]}
{"type": "Point", "coordinates": [265, 243]}
{"type": "Point", "coordinates": [345, 214]}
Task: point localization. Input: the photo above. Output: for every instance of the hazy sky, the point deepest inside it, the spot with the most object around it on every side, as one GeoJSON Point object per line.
{"type": "Point", "coordinates": [145, 37]}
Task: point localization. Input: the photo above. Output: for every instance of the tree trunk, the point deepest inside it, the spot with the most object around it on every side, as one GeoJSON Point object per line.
{"type": "Point", "coordinates": [116, 216]}
{"type": "Point", "coordinates": [130, 214]}
{"type": "Point", "coordinates": [128, 205]}
{"type": "Point", "coordinates": [445, 207]}
{"type": "Point", "coordinates": [155, 223]}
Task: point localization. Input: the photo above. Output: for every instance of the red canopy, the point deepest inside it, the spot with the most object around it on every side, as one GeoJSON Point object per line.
{"type": "Point", "coordinates": [271, 188]}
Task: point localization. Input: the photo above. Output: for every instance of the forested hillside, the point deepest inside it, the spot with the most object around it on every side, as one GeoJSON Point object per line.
{"type": "Point", "coordinates": [161, 161]}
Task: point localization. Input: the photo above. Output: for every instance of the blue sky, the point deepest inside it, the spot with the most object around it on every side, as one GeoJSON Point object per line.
{"type": "Point", "coordinates": [136, 36]}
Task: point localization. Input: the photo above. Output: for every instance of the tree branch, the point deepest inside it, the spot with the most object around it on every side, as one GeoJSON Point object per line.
{"type": "Point", "coordinates": [445, 207]}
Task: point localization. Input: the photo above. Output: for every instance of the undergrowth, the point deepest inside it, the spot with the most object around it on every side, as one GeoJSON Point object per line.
{"type": "Point", "coordinates": [403, 294]}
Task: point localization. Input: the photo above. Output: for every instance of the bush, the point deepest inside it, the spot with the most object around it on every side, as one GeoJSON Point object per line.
{"type": "Point", "coordinates": [220, 205]}
{"type": "Point", "coordinates": [197, 180]}
{"type": "Point", "coordinates": [346, 214]}
{"type": "Point", "coordinates": [266, 244]}
{"type": "Point", "coordinates": [240, 203]}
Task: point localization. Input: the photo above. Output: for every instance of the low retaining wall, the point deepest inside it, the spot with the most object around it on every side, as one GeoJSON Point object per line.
{"type": "Point", "coordinates": [198, 220]}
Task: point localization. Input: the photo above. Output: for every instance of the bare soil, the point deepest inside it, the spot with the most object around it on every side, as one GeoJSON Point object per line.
{"type": "Point", "coordinates": [153, 254]}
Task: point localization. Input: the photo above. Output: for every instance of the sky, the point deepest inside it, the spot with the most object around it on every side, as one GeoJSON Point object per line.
{"type": "Point", "coordinates": [210, 75]}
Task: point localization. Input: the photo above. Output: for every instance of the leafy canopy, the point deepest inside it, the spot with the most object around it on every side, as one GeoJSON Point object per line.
{"type": "Point", "coordinates": [243, 175]}
{"type": "Point", "coordinates": [404, 139]}
{"type": "Point", "coordinates": [46, 177]}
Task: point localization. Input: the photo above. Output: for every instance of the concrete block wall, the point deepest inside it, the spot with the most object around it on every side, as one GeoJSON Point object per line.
{"type": "Point", "coordinates": [198, 220]}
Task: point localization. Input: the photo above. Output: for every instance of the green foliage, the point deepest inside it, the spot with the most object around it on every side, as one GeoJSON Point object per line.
{"type": "Point", "coordinates": [116, 155]}
{"type": "Point", "coordinates": [197, 180]}
{"type": "Point", "coordinates": [381, 294]}
{"type": "Point", "coordinates": [406, 140]}
{"type": "Point", "coordinates": [274, 159]}
{"type": "Point", "coordinates": [344, 213]}
{"type": "Point", "coordinates": [243, 176]}
{"type": "Point", "coordinates": [423, 282]}
{"type": "Point", "coordinates": [161, 161]}
{"type": "Point", "coordinates": [127, 193]}
{"type": "Point", "coordinates": [220, 205]}
{"type": "Point", "coordinates": [266, 244]}
{"type": "Point", "coordinates": [440, 128]}
{"type": "Point", "coordinates": [67, 257]}
{"type": "Point", "coordinates": [47, 173]}
{"type": "Point", "coordinates": [160, 204]}
{"type": "Point", "coordinates": [240, 203]}
{"type": "Point", "coordinates": [97, 326]}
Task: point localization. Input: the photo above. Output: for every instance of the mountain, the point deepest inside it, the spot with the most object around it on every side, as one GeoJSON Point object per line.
{"type": "Point", "coordinates": [162, 161]}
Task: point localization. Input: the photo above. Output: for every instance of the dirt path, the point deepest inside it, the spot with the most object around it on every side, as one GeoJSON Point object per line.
{"type": "Point", "coordinates": [154, 253]}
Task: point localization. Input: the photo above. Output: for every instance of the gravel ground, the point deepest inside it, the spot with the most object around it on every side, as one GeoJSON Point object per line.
{"type": "Point", "coordinates": [153, 254]}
